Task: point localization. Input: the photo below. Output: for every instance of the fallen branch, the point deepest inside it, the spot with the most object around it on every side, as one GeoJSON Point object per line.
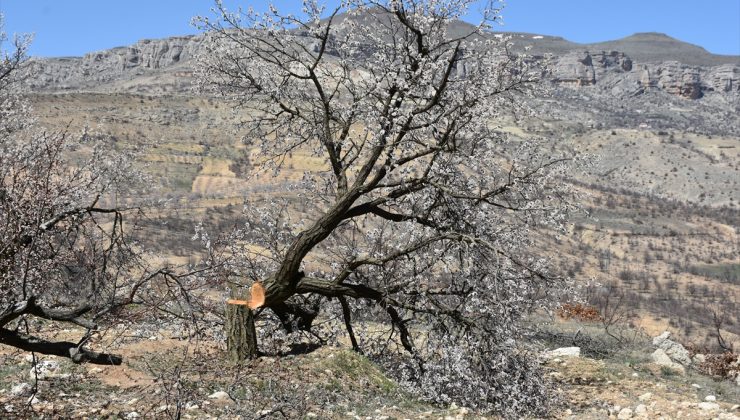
{"type": "Point", "coordinates": [68, 349]}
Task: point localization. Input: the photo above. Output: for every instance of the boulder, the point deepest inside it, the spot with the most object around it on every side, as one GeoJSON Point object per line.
{"type": "Point", "coordinates": [646, 396]}
{"type": "Point", "coordinates": [675, 351]}
{"type": "Point", "coordinates": [660, 358]}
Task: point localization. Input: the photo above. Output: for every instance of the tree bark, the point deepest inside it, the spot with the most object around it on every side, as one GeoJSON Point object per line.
{"type": "Point", "coordinates": [241, 335]}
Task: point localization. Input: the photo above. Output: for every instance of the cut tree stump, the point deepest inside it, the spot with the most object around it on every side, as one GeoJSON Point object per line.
{"type": "Point", "coordinates": [241, 336]}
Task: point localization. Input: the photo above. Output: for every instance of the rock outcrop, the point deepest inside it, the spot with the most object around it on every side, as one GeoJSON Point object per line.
{"type": "Point", "coordinates": [582, 68]}
{"type": "Point", "coordinates": [167, 65]}
{"type": "Point", "coordinates": [614, 72]}
{"type": "Point", "coordinates": [679, 80]}
{"type": "Point", "coordinates": [121, 64]}
{"type": "Point", "coordinates": [674, 350]}
{"type": "Point", "coordinates": [724, 79]}
{"type": "Point", "coordinates": [575, 68]}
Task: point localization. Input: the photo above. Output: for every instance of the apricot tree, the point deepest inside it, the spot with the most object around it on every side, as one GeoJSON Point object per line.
{"type": "Point", "coordinates": [426, 211]}
{"type": "Point", "coordinates": [65, 254]}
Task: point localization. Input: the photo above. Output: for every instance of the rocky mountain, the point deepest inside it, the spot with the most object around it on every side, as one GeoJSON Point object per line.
{"type": "Point", "coordinates": [652, 47]}
{"type": "Point", "coordinates": [649, 47]}
{"type": "Point", "coordinates": [161, 65]}
{"type": "Point", "coordinates": [623, 68]}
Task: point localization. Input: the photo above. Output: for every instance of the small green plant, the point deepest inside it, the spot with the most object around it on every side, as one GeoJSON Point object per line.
{"type": "Point", "coordinates": [357, 367]}
{"type": "Point", "coordinates": [667, 372]}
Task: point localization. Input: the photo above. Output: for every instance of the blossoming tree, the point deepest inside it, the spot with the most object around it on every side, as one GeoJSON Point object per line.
{"type": "Point", "coordinates": [425, 210]}
{"type": "Point", "coordinates": [65, 256]}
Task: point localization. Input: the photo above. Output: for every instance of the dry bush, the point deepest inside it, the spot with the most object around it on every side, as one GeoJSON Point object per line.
{"type": "Point", "coordinates": [579, 312]}
{"type": "Point", "coordinates": [722, 365]}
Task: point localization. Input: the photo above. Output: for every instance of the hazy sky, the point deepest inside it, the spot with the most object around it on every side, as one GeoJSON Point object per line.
{"type": "Point", "coordinates": [74, 27]}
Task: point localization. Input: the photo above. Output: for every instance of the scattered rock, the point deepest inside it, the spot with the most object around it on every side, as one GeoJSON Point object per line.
{"type": "Point", "coordinates": [646, 396]}
{"type": "Point", "coordinates": [641, 410]}
{"type": "Point", "coordinates": [46, 369]}
{"type": "Point", "coordinates": [708, 406]}
{"type": "Point", "coordinates": [220, 396]}
{"type": "Point", "coordinates": [710, 398]}
{"type": "Point", "coordinates": [21, 390]}
{"type": "Point", "coordinates": [625, 413]}
{"type": "Point", "coordinates": [564, 352]}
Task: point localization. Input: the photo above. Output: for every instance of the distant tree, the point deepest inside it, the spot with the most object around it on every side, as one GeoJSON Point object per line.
{"type": "Point", "coordinates": [64, 256]}
{"type": "Point", "coordinates": [720, 317]}
{"type": "Point", "coordinates": [425, 212]}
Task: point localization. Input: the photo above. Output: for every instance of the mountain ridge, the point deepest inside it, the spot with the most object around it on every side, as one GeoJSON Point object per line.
{"type": "Point", "coordinates": [622, 68]}
{"type": "Point", "coordinates": [647, 47]}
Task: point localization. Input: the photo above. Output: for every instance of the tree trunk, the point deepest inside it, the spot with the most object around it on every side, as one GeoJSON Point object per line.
{"type": "Point", "coordinates": [241, 335]}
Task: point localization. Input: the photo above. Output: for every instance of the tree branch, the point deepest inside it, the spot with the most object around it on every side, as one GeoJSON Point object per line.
{"type": "Point", "coordinates": [30, 306]}
{"type": "Point", "coordinates": [68, 349]}
{"type": "Point", "coordinates": [358, 291]}
{"type": "Point", "coordinates": [347, 314]}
